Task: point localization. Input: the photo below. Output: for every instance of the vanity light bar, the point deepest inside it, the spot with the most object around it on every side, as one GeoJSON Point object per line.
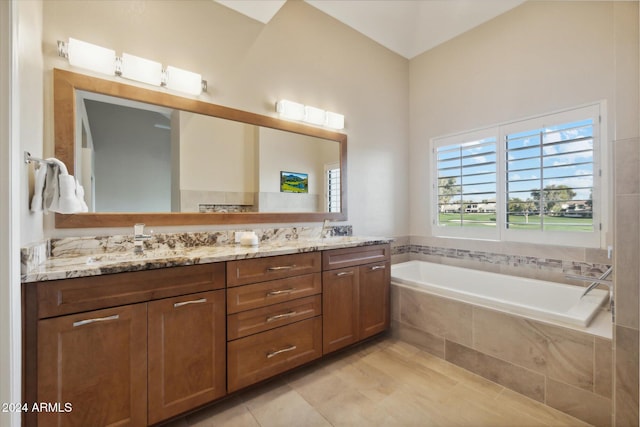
{"type": "Point", "coordinates": [294, 111]}
{"type": "Point", "coordinates": [102, 60]}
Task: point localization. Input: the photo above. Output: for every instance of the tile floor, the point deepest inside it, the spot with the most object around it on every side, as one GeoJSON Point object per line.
{"type": "Point", "coordinates": [380, 383]}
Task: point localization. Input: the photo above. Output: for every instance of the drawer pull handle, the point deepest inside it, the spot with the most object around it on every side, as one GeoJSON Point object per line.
{"type": "Point", "coordinates": [283, 267]}
{"type": "Point", "coordinates": [97, 319]}
{"type": "Point", "coordinates": [195, 301]}
{"type": "Point", "coordinates": [344, 273]}
{"type": "Point", "coordinates": [284, 350]}
{"type": "Point", "coordinates": [378, 267]}
{"type": "Point", "coordinates": [281, 316]}
{"type": "Point", "coordinates": [282, 291]}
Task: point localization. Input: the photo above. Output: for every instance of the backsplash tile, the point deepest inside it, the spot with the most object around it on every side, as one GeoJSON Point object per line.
{"type": "Point", "coordinates": [36, 254]}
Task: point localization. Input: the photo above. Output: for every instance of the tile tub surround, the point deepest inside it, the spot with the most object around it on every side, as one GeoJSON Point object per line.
{"type": "Point", "coordinates": [551, 269]}
{"type": "Point", "coordinates": [562, 368]}
{"type": "Point", "coordinates": [90, 256]}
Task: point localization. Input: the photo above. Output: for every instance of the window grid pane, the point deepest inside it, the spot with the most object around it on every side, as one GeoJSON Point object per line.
{"type": "Point", "coordinates": [333, 190]}
{"type": "Point", "coordinates": [553, 190]}
{"type": "Point", "coordinates": [467, 184]}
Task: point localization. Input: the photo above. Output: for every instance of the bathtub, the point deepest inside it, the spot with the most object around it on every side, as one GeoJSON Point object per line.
{"type": "Point", "coordinates": [536, 299]}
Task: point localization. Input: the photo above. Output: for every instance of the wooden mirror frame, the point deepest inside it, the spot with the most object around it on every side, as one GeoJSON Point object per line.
{"type": "Point", "coordinates": [65, 84]}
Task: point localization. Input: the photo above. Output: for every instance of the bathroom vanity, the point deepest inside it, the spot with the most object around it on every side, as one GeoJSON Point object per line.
{"type": "Point", "coordinates": [117, 338]}
{"type": "Point", "coordinates": [140, 347]}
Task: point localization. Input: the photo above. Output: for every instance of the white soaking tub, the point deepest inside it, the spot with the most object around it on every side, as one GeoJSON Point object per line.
{"type": "Point", "coordinates": [536, 299]}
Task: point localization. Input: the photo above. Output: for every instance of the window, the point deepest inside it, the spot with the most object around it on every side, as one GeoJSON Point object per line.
{"type": "Point", "coordinates": [332, 183]}
{"type": "Point", "coordinates": [467, 183]}
{"type": "Point", "coordinates": [535, 180]}
{"type": "Point", "coordinates": [549, 178]}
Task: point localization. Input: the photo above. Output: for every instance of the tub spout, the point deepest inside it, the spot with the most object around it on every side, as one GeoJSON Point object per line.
{"type": "Point", "coordinates": [595, 282]}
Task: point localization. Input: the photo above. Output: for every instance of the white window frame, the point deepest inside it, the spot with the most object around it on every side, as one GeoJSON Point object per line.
{"type": "Point", "coordinates": [595, 239]}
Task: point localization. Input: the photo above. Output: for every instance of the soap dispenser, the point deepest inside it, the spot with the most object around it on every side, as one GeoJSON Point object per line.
{"type": "Point", "coordinates": [249, 239]}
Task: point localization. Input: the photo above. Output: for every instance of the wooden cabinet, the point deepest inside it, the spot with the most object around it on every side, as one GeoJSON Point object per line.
{"type": "Point", "coordinates": [355, 298]}
{"type": "Point", "coordinates": [85, 343]}
{"type": "Point", "coordinates": [340, 308]}
{"type": "Point", "coordinates": [186, 353]}
{"type": "Point", "coordinates": [274, 316]}
{"type": "Point", "coordinates": [96, 362]}
{"type": "Point", "coordinates": [135, 349]}
{"type": "Point", "coordinates": [373, 299]}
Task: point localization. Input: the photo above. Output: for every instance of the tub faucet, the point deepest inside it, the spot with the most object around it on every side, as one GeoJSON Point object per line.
{"type": "Point", "coordinates": [595, 282]}
{"type": "Point", "coordinates": [138, 238]}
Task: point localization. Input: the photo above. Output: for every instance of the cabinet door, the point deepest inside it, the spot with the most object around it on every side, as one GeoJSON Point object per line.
{"type": "Point", "coordinates": [339, 308]}
{"type": "Point", "coordinates": [97, 362]}
{"type": "Point", "coordinates": [374, 291]}
{"type": "Point", "coordinates": [186, 353]}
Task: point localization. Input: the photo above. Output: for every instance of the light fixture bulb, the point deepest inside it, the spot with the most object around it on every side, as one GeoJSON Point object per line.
{"type": "Point", "coordinates": [141, 69]}
{"type": "Point", "coordinates": [314, 115]}
{"type": "Point", "coordinates": [334, 120]}
{"type": "Point", "coordinates": [290, 110]}
{"type": "Point", "coordinates": [183, 80]}
{"type": "Point", "coordinates": [91, 57]}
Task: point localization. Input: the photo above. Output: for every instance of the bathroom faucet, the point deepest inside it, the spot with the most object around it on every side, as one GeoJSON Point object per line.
{"type": "Point", "coordinates": [138, 238]}
{"type": "Point", "coordinates": [595, 282]}
{"type": "Point", "coordinates": [326, 228]}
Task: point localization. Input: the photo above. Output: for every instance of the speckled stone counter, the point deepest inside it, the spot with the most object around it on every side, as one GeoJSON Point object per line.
{"type": "Point", "coordinates": [93, 256]}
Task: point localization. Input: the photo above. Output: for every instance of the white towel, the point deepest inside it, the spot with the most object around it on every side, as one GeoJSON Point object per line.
{"type": "Point", "coordinates": [40, 176]}
{"type": "Point", "coordinates": [61, 192]}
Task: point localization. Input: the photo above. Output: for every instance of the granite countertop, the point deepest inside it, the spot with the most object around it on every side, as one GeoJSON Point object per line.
{"type": "Point", "coordinates": [83, 265]}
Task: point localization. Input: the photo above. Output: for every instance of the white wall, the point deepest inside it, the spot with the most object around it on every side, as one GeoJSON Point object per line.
{"type": "Point", "coordinates": [536, 58]}
{"type": "Point", "coordinates": [6, 247]}
{"type": "Point", "coordinates": [301, 54]}
{"type": "Point", "coordinates": [30, 83]}
{"type": "Point", "coordinates": [20, 129]}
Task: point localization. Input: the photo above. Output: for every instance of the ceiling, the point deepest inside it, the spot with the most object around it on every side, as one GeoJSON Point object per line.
{"type": "Point", "coordinates": [407, 27]}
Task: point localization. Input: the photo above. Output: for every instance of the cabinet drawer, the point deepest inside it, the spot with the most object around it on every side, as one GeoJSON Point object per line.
{"type": "Point", "coordinates": [255, 270]}
{"type": "Point", "coordinates": [258, 295]}
{"type": "Point", "coordinates": [347, 257]}
{"type": "Point", "coordinates": [264, 355]}
{"type": "Point", "coordinates": [262, 319]}
{"type": "Point", "coordinates": [110, 290]}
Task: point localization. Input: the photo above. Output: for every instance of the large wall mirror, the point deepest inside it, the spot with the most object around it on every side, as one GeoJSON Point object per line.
{"type": "Point", "coordinates": [153, 157]}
